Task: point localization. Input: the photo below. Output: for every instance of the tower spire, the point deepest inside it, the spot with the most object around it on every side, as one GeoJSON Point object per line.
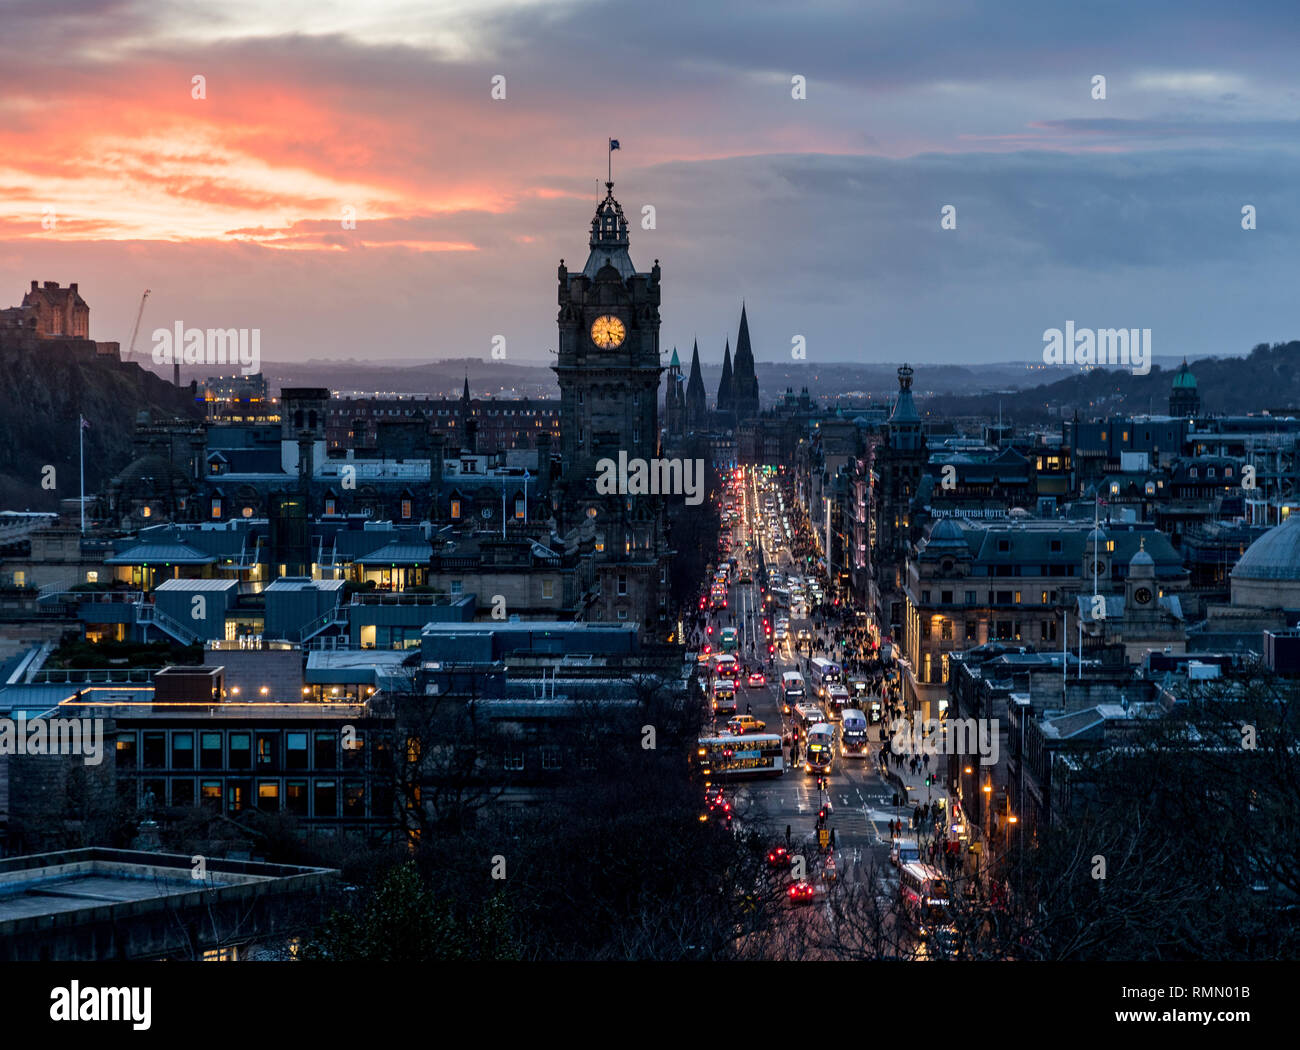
{"type": "Point", "coordinates": [726, 393]}
{"type": "Point", "coordinates": [744, 380]}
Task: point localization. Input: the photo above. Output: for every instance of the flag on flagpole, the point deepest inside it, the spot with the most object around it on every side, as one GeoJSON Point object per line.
{"type": "Point", "coordinates": [613, 144]}
{"type": "Point", "coordinates": [85, 423]}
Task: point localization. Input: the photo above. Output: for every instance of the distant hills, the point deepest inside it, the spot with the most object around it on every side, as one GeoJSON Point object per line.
{"type": "Point", "coordinates": [504, 378]}
{"type": "Point", "coordinates": [1268, 378]}
{"type": "Point", "coordinates": [46, 388]}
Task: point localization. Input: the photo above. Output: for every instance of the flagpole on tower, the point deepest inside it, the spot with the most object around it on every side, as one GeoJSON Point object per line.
{"type": "Point", "coordinates": [609, 161]}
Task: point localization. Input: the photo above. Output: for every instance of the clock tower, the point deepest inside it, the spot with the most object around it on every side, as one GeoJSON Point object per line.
{"type": "Point", "coordinates": [608, 370]}
{"type": "Point", "coordinates": [608, 367]}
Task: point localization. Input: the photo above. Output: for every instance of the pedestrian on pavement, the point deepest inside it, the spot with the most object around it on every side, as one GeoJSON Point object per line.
{"type": "Point", "coordinates": [927, 760]}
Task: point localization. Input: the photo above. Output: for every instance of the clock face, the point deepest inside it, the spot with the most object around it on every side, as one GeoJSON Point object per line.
{"type": "Point", "coordinates": [607, 332]}
{"type": "Point", "coordinates": [1142, 595]}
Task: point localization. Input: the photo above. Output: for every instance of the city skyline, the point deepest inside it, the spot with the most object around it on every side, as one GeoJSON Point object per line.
{"type": "Point", "coordinates": [822, 213]}
{"type": "Point", "coordinates": [857, 521]}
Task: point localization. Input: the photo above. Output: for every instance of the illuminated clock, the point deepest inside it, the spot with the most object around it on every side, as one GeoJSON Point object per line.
{"type": "Point", "coordinates": [1142, 595]}
{"type": "Point", "coordinates": [607, 332]}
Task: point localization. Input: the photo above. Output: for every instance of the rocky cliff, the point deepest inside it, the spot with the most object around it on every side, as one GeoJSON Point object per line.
{"type": "Point", "coordinates": [43, 390]}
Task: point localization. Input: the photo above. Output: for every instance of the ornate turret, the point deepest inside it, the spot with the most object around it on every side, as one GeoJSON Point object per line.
{"type": "Point", "coordinates": [609, 240]}
{"type": "Point", "coordinates": [1184, 398]}
{"type": "Point", "coordinates": [904, 420]}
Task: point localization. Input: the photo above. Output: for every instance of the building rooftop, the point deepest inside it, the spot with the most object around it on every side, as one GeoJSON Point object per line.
{"type": "Point", "coordinates": [197, 585]}
{"type": "Point", "coordinates": [105, 903]}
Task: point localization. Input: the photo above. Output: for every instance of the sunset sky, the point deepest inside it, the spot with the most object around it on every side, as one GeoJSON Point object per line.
{"type": "Point", "coordinates": [823, 213]}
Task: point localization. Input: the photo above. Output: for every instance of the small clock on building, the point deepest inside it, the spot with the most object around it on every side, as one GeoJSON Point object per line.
{"type": "Point", "coordinates": [1142, 595]}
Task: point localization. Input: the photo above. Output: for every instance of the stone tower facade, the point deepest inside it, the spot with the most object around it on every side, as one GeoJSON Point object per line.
{"type": "Point", "coordinates": [60, 312]}
{"type": "Point", "coordinates": [1184, 398]}
{"type": "Point", "coordinates": [675, 400]}
{"type": "Point", "coordinates": [900, 464]}
{"type": "Point", "coordinates": [608, 370]}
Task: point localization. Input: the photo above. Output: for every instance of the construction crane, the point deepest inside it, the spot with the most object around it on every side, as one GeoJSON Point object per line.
{"type": "Point", "coordinates": [130, 350]}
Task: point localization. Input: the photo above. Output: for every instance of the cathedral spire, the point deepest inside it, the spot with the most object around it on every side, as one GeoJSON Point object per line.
{"type": "Point", "coordinates": [465, 394]}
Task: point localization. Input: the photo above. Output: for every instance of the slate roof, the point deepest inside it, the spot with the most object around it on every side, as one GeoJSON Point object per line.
{"type": "Point", "coordinates": [398, 553]}
{"type": "Point", "coordinates": [160, 553]}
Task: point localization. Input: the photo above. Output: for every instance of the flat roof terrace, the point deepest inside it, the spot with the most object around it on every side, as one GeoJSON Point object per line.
{"type": "Point", "coordinates": [98, 903]}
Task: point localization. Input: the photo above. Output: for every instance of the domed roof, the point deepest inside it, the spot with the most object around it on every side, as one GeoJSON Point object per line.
{"type": "Point", "coordinates": [1183, 378]}
{"type": "Point", "coordinates": [1141, 560]}
{"type": "Point", "coordinates": [154, 470]}
{"type": "Point", "coordinates": [1097, 535]}
{"type": "Point", "coordinates": [1274, 556]}
{"type": "Point", "coordinates": [945, 533]}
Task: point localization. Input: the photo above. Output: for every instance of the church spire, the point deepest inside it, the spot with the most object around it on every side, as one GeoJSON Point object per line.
{"type": "Point", "coordinates": [726, 396]}
{"type": "Point", "coordinates": [745, 381]}
{"type": "Point", "coordinates": [465, 394]}
{"type": "Point", "coordinates": [697, 402]}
